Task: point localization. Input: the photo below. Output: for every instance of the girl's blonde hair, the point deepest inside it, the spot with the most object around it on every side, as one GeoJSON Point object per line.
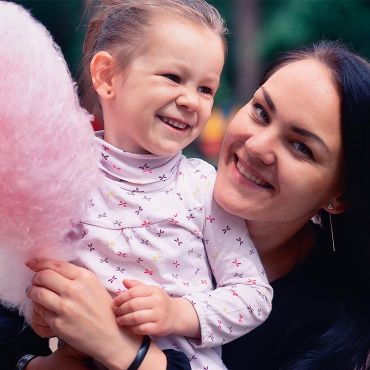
{"type": "Point", "coordinates": [120, 26]}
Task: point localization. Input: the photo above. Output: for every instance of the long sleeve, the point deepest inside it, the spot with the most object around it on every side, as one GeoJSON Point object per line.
{"type": "Point", "coordinates": [242, 298]}
{"type": "Point", "coordinates": [16, 340]}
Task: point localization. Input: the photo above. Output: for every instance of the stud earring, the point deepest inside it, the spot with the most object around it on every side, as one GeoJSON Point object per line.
{"type": "Point", "coordinates": [330, 207]}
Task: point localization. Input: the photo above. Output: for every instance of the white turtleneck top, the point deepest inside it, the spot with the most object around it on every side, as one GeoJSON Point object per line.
{"type": "Point", "coordinates": [154, 219]}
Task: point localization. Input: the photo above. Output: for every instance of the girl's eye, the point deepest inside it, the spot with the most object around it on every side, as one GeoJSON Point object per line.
{"type": "Point", "coordinates": [302, 149]}
{"type": "Point", "coordinates": [206, 90]}
{"type": "Point", "coordinates": [173, 77]}
{"type": "Point", "coordinates": [261, 113]}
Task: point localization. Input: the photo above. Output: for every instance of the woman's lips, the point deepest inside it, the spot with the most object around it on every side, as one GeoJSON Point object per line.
{"type": "Point", "coordinates": [251, 174]}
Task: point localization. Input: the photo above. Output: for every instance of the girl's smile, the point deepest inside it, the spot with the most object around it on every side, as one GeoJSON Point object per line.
{"type": "Point", "coordinates": [174, 122]}
{"type": "Point", "coordinates": [162, 99]}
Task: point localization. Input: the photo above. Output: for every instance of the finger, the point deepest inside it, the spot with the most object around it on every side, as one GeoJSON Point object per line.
{"type": "Point", "coordinates": [133, 305]}
{"type": "Point", "coordinates": [37, 314]}
{"type": "Point", "coordinates": [65, 269]}
{"type": "Point", "coordinates": [45, 297]}
{"type": "Point", "coordinates": [135, 292]}
{"type": "Point", "coordinates": [148, 328]}
{"type": "Point", "coordinates": [51, 280]}
{"type": "Point", "coordinates": [38, 322]}
{"type": "Point", "coordinates": [43, 332]}
{"type": "Point", "coordinates": [136, 318]}
{"type": "Point", "coordinates": [128, 283]}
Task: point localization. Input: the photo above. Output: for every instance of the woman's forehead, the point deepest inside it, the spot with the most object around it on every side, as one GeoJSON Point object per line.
{"type": "Point", "coordinates": [306, 84]}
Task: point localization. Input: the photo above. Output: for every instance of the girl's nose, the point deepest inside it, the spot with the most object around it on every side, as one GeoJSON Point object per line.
{"type": "Point", "coordinates": [189, 99]}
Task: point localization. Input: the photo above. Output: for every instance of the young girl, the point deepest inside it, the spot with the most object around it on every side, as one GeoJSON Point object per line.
{"type": "Point", "coordinates": [155, 68]}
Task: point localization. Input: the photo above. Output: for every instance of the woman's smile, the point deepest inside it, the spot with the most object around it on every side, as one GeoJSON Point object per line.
{"type": "Point", "coordinates": [249, 174]}
{"type": "Point", "coordinates": [276, 158]}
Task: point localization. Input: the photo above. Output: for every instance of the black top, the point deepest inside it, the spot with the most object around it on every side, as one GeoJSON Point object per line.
{"type": "Point", "coordinates": [17, 340]}
{"type": "Point", "coordinates": [319, 321]}
{"type": "Point", "coordinates": [307, 303]}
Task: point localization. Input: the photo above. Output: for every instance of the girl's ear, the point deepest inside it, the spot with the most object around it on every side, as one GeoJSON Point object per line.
{"type": "Point", "coordinates": [101, 68]}
{"type": "Point", "coordinates": [336, 206]}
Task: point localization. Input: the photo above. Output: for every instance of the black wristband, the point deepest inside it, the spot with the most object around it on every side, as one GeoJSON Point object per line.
{"type": "Point", "coordinates": [24, 361]}
{"type": "Point", "coordinates": [140, 353]}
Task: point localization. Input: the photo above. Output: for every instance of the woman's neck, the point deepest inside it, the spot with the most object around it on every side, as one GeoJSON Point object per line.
{"type": "Point", "coordinates": [281, 247]}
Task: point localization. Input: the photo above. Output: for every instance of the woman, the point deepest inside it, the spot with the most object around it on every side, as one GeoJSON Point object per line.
{"type": "Point", "coordinates": [303, 137]}
{"type": "Point", "coordinates": [84, 312]}
{"type": "Point", "coordinates": [297, 149]}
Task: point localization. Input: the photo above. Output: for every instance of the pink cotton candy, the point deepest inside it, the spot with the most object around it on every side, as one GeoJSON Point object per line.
{"type": "Point", "coordinates": [48, 160]}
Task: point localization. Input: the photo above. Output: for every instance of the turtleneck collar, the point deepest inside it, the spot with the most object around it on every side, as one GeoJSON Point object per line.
{"type": "Point", "coordinates": [136, 171]}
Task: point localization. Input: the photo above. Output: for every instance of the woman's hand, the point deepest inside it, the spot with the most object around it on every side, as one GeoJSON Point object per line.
{"type": "Point", "coordinates": [38, 324]}
{"type": "Point", "coordinates": [77, 308]}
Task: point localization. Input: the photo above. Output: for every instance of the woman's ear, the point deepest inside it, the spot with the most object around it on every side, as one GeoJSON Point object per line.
{"type": "Point", "coordinates": [336, 206]}
{"type": "Point", "coordinates": [101, 68]}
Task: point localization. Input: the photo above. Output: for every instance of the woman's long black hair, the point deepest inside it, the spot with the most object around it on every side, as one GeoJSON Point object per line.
{"type": "Point", "coordinates": [345, 345]}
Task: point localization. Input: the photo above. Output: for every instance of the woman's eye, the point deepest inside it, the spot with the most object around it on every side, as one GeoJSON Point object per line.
{"type": "Point", "coordinates": [302, 149]}
{"type": "Point", "coordinates": [261, 113]}
{"type": "Point", "coordinates": [206, 90]}
{"type": "Point", "coordinates": [173, 77]}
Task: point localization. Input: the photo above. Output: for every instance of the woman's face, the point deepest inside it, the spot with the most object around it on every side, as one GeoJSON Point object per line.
{"type": "Point", "coordinates": [281, 158]}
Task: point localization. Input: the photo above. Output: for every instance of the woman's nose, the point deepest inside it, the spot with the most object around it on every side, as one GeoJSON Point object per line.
{"type": "Point", "coordinates": [189, 99]}
{"type": "Point", "coordinates": [262, 146]}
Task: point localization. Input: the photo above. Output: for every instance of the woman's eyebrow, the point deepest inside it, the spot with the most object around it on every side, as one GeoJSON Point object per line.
{"type": "Point", "coordinates": [302, 132]}
{"type": "Point", "coordinates": [296, 129]}
{"type": "Point", "coordinates": [268, 99]}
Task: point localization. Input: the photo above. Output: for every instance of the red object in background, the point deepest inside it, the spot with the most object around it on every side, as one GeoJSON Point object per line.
{"type": "Point", "coordinates": [210, 139]}
{"type": "Point", "coordinates": [96, 124]}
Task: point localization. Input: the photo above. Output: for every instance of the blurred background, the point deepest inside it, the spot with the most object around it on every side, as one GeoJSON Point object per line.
{"type": "Point", "coordinates": [259, 30]}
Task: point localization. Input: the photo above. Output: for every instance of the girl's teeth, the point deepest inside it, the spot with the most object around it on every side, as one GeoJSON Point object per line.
{"type": "Point", "coordinates": [249, 176]}
{"type": "Point", "coordinates": [174, 123]}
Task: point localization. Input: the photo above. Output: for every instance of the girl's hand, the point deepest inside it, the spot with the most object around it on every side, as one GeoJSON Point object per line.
{"type": "Point", "coordinates": [149, 310]}
{"type": "Point", "coordinates": [78, 309]}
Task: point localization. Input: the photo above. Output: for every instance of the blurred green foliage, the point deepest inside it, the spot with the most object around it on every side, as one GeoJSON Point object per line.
{"type": "Point", "coordinates": [282, 25]}
{"type": "Point", "coordinates": [279, 25]}
{"type": "Point", "coordinates": [286, 24]}
{"type": "Point", "coordinates": [63, 19]}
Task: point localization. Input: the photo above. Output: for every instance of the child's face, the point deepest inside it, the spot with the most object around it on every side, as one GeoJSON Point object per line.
{"type": "Point", "coordinates": [162, 100]}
